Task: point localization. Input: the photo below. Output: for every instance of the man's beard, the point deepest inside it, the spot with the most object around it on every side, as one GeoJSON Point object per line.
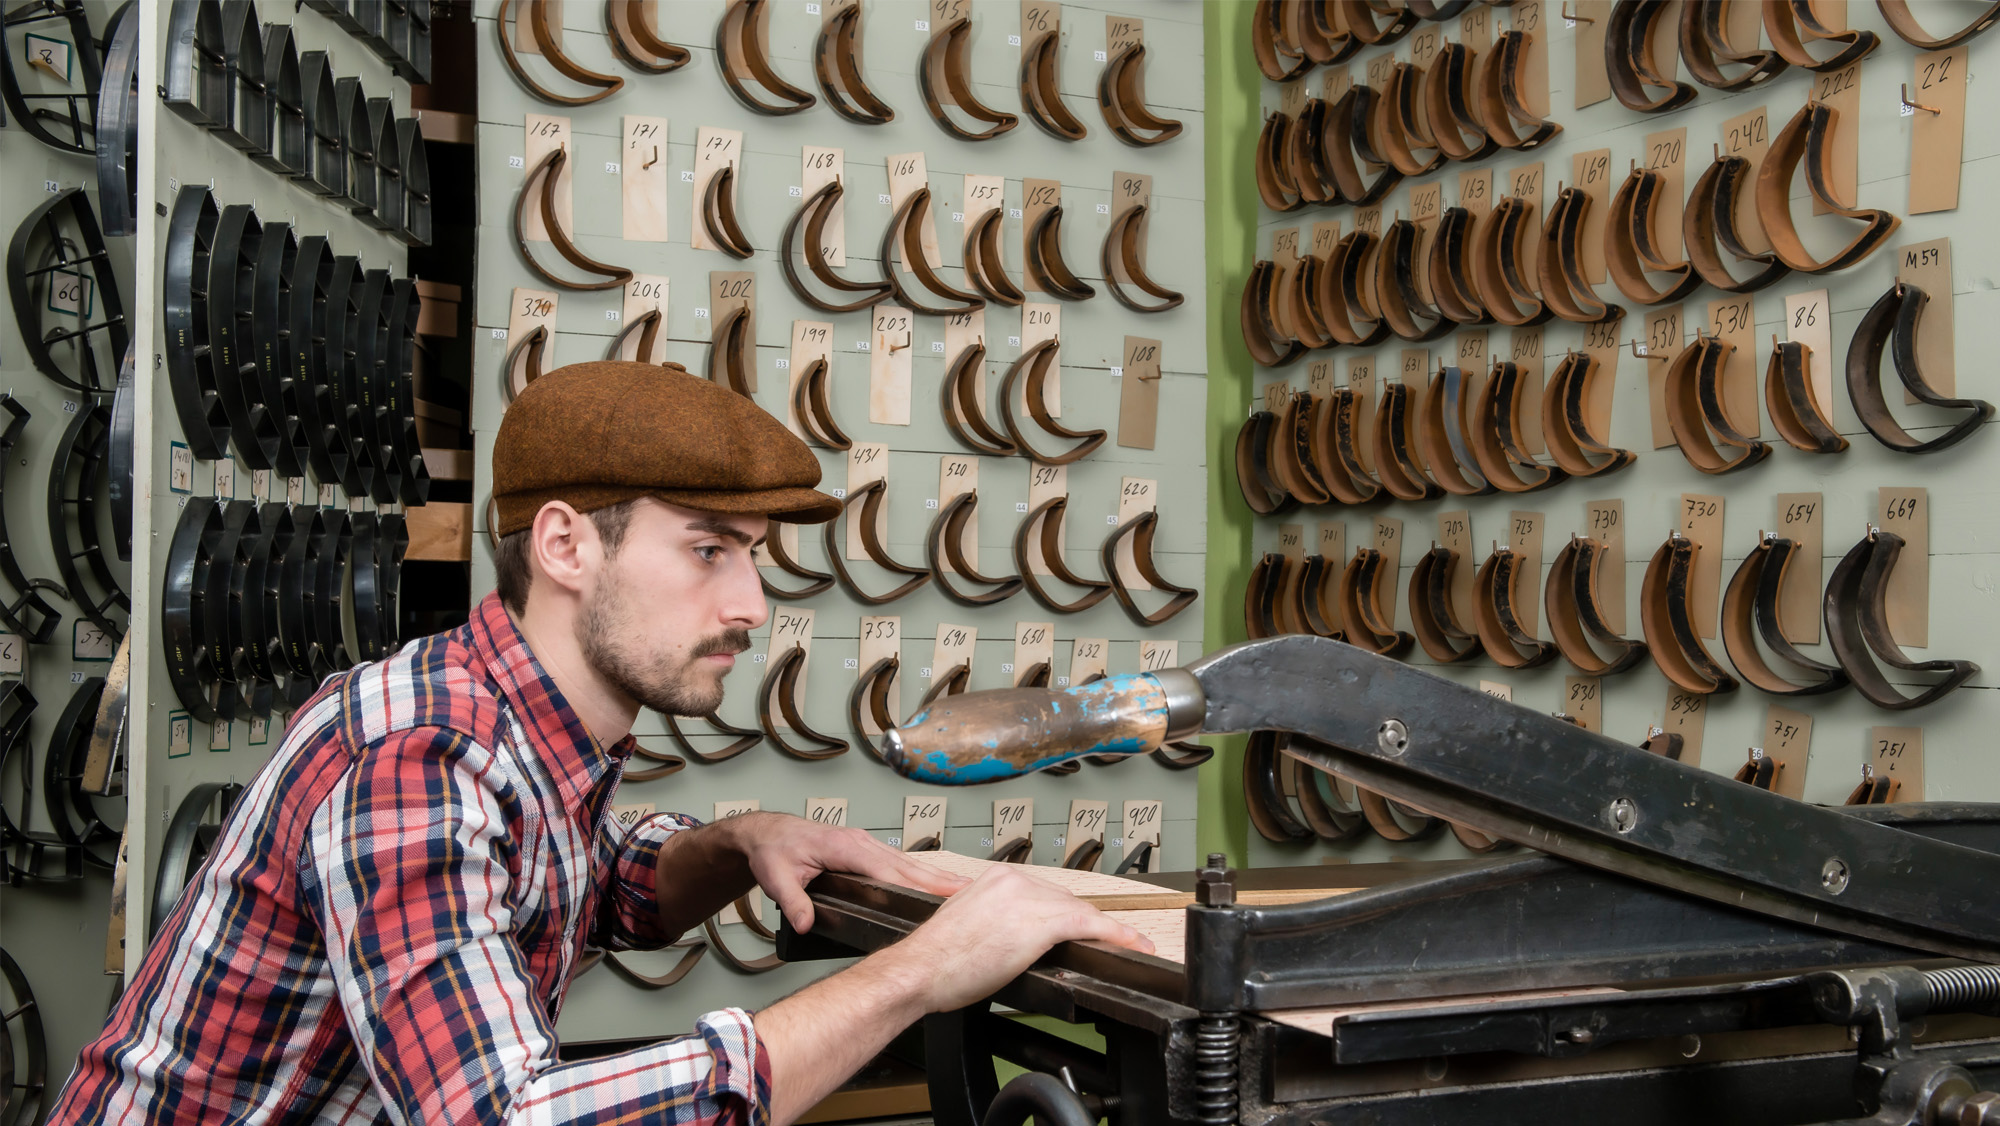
{"type": "Point", "coordinates": [679, 688]}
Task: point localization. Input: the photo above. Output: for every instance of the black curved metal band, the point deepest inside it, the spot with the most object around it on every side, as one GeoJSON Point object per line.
{"type": "Point", "coordinates": [232, 266]}
{"type": "Point", "coordinates": [184, 312]}
{"type": "Point", "coordinates": [72, 813]}
{"type": "Point", "coordinates": [184, 606]}
{"type": "Point", "coordinates": [61, 239]}
{"type": "Point", "coordinates": [76, 475]}
{"type": "Point", "coordinates": [186, 845]}
{"type": "Point", "coordinates": [270, 332]}
{"type": "Point", "coordinates": [79, 113]}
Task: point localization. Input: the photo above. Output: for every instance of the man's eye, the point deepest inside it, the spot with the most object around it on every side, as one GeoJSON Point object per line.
{"type": "Point", "coordinates": [709, 554]}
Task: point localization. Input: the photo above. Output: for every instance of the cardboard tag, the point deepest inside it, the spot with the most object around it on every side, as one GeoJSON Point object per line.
{"type": "Point", "coordinates": [1591, 173]}
{"type": "Point", "coordinates": [1525, 349]}
{"type": "Point", "coordinates": [714, 149]}
{"type": "Point", "coordinates": [1121, 32]}
{"type": "Point", "coordinates": [1604, 521]}
{"type": "Point", "coordinates": [1524, 536]}
{"type": "Point", "coordinates": [1157, 655]}
{"type": "Point", "coordinates": [1336, 82]}
{"type": "Point", "coordinates": [1086, 823]}
{"type": "Point", "coordinates": [1388, 539]}
{"type": "Point", "coordinates": [1426, 40]}
{"type": "Point", "coordinates": [1583, 701]}
{"type": "Point", "coordinates": [1525, 184]}
{"type": "Point", "coordinates": [1454, 530]}
{"type": "Point", "coordinates": [1734, 320]}
{"type": "Point", "coordinates": [1475, 191]}
{"type": "Point", "coordinates": [48, 54]}
{"type": "Point", "coordinates": [830, 812]}
{"type": "Point", "coordinates": [1475, 28]}
{"type": "Point", "coordinates": [1841, 91]}
{"type": "Point", "coordinates": [1275, 395]}
{"type": "Point", "coordinates": [1135, 495]}
{"type": "Point", "coordinates": [952, 648]}
{"type": "Point", "coordinates": [1927, 265]}
{"type": "Point", "coordinates": [1534, 77]}
{"type": "Point", "coordinates": [1906, 511]}
{"type": "Point", "coordinates": [1808, 320]}
{"type": "Point", "coordinates": [1801, 518]}
{"type": "Point", "coordinates": [1038, 18]}
{"type": "Point", "coordinates": [1037, 196]}
{"type": "Point", "coordinates": [1034, 643]}
{"type": "Point", "coordinates": [1898, 752]}
{"type": "Point", "coordinates": [1088, 657]}
{"type": "Point", "coordinates": [812, 341]}
{"type": "Point", "coordinates": [1593, 82]}
{"type": "Point", "coordinates": [960, 474]}
{"type": "Point", "coordinates": [1324, 237]}
{"type": "Point", "coordinates": [1686, 716]}
{"type": "Point", "coordinates": [1292, 541]}
{"type": "Point", "coordinates": [1013, 820]}
{"type": "Point", "coordinates": [642, 179]}
{"type": "Point", "coordinates": [528, 310]}
{"type": "Point", "coordinates": [1426, 207]}
{"type": "Point", "coordinates": [728, 291]}
{"type": "Point", "coordinates": [1292, 98]}
{"type": "Point", "coordinates": [1141, 826]}
{"type": "Point", "coordinates": [818, 168]}
{"type": "Point", "coordinates": [1361, 380]}
{"type": "Point", "coordinates": [889, 351]}
{"type": "Point", "coordinates": [1139, 394]}
{"type": "Point", "coordinates": [1663, 341]}
{"type": "Point", "coordinates": [1330, 540]}
{"type": "Point", "coordinates": [545, 134]}
{"type": "Point", "coordinates": [1319, 379]}
{"type": "Point", "coordinates": [1666, 153]}
{"type": "Point", "coordinates": [1473, 354]}
{"type": "Point", "coordinates": [1046, 482]}
{"type": "Point", "coordinates": [791, 628]}
{"type": "Point", "coordinates": [866, 461]}
{"type": "Point", "coordinates": [628, 817]}
{"type": "Point", "coordinates": [923, 818]}
{"type": "Point", "coordinates": [1748, 135]}
{"type": "Point", "coordinates": [881, 638]}
{"type": "Point", "coordinates": [1937, 139]}
{"type": "Point", "coordinates": [645, 293]}
{"type": "Point", "coordinates": [1369, 219]}
{"type": "Point", "coordinates": [1700, 519]}
{"type": "Point", "coordinates": [907, 174]}
{"type": "Point", "coordinates": [1497, 690]}
{"type": "Point", "coordinates": [1788, 740]}
{"type": "Point", "coordinates": [1602, 343]}
{"type": "Point", "coordinates": [524, 34]}
{"type": "Point", "coordinates": [1042, 321]}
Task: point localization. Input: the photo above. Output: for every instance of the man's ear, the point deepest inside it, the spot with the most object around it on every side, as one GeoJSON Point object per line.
{"type": "Point", "coordinates": [564, 547]}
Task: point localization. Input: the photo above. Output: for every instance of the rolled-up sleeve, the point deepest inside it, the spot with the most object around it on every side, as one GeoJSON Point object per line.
{"type": "Point", "coordinates": [408, 871]}
{"type": "Point", "coordinates": [628, 918]}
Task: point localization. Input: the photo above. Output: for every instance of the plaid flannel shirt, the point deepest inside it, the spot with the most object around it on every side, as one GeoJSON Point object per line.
{"type": "Point", "coordinates": [385, 927]}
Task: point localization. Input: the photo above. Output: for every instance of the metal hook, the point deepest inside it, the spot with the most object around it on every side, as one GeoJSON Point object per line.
{"type": "Point", "coordinates": [1646, 355]}
{"type": "Point", "coordinates": [1933, 110]}
{"type": "Point", "coordinates": [1573, 17]}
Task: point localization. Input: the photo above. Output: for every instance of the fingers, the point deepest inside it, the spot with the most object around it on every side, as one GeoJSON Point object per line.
{"type": "Point", "coordinates": [794, 902]}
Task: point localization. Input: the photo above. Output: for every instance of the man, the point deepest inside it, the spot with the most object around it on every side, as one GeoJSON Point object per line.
{"type": "Point", "coordinates": [385, 928]}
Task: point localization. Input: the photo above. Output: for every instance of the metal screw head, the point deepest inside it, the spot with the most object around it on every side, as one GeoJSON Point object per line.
{"type": "Point", "coordinates": [1392, 737]}
{"type": "Point", "coordinates": [1833, 875]}
{"type": "Point", "coordinates": [1623, 813]}
{"type": "Point", "coordinates": [1690, 1046]}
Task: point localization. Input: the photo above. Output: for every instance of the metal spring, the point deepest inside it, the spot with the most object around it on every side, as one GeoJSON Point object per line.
{"type": "Point", "coordinates": [1960, 986]}
{"type": "Point", "coordinates": [1215, 1046]}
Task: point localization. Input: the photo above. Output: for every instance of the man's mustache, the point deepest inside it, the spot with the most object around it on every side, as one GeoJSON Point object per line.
{"type": "Point", "coordinates": [731, 641]}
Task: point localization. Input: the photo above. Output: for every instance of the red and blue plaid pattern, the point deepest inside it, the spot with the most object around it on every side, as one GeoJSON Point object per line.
{"type": "Point", "coordinates": [384, 930]}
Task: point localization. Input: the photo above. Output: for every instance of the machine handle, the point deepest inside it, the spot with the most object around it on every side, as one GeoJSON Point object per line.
{"type": "Point", "coordinates": [1004, 733]}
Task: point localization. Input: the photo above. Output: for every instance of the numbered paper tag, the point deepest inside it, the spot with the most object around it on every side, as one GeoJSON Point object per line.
{"type": "Point", "coordinates": [1157, 655]}
{"type": "Point", "coordinates": [1898, 753]}
{"type": "Point", "coordinates": [547, 133]}
{"type": "Point", "coordinates": [1800, 517]}
{"type": "Point", "coordinates": [1037, 196]}
{"type": "Point", "coordinates": [1532, 79]}
{"type": "Point", "coordinates": [1473, 351]}
{"type": "Point", "coordinates": [1139, 394]}
{"type": "Point", "coordinates": [831, 812]}
{"type": "Point", "coordinates": [645, 293]}
{"type": "Point", "coordinates": [820, 167]}
{"type": "Point", "coordinates": [219, 734]}
{"type": "Point", "coordinates": [642, 179]}
{"type": "Point", "coordinates": [47, 54]}
{"type": "Point", "coordinates": [1937, 132]}
{"type": "Point", "coordinates": [1141, 826]}
{"type": "Point", "coordinates": [11, 650]}
{"type": "Point", "coordinates": [1666, 154]}
{"type": "Point", "coordinates": [1042, 321]}
{"type": "Point", "coordinates": [1361, 381]}
{"type": "Point", "coordinates": [1088, 659]}
{"type": "Point", "coordinates": [225, 479]}
{"type": "Point", "coordinates": [1593, 80]}
{"type": "Point", "coordinates": [1130, 190]}
{"type": "Point", "coordinates": [89, 642]}
{"type": "Point", "coordinates": [1086, 823]}
{"type": "Point", "coordinates": [1604, 521]}
{"type": "Point", "coordinates": [1686, 715]}
{"type": "Point", "coordinates": [1590, 172]}
{"type": "Point", "coordinates": [180, 734]}
{"type": "Point", "coordinates": [1013, 820]}
{"type": "Point", "coordinates": [907, 174]}
{"type": "Point", "coordinates": [1841, 91]}
{"type": "Point", "coordinates": [1808, 321]}
{"type": "Point", "coordinates": [728, 292]}
{"type": "Point", "coordinates": [1665, 330]}
{"type": "Point", "coordinates": [724, 810]}
{"type": "Point", "coordinates": [1734, 321]}
{"type": "Point", "coordinates": [892, 331]}
{"type": "Point", "coordinates": [983, 194]}
{"type": "Point", "coordinates": [1905, 511]}
{"type": "Point", "coordinates": [180, 468]}
{"type": "Point", "coordinates": [1034, 644]}
{"type": "Point", "coordinates": [1583, 701]}
{"type": "Point", "coordinates": [714, 150]}
{"type": "Point", "coordinates": [958, 474]}
{"type": "Point", "coordinates": [1748, 136]}
{"type": "Point", "coordinates": [1388, 539]}
{"type": "Point", "coordinates": [881, 639]}
{"type": "Point", "coordinates": [1602, 342]}
{"type": "Point", "coordinates": [812, 341]}
{"type": "Point", "coordinates": [923, 822]}
{"type": "Point", "coordinates": [866, 462]}
{"type": "Point", "coordinates": [1700, 520]}
{"type": "Point", "coordinates": [1497, 690]}
{"type": "Point", "coordinates": [1524, 536]}
{"type": "Point", "coordinates": [628, 817]}
{"type": "Point", "coordinates": [952, 648]}
{"type": "Point", "coordinates": [1525, 349]}
{"type": "Point", "coordinates": [1292, 541]}
{"type": "Point", "coordinates": [1475, 191]}
{"type": "Point", "coordinates": [791, 628]}
{"type": "Point", "coordinates": [1788, 740]}
{"type": "Point", "coordinates": [528, 310]}
{"type": "Point", "coordinates": [1136, 495]}
{"type": "Point", "coordinates": [71, 294]}
{"type": "Point", "coordinates": [1046, 483]}
{"type": "Point", "coordinates": [1927, 265]}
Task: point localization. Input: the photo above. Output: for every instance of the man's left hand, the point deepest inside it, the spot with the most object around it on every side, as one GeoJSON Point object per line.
{"type": "Point", "coordinates": [785, 853]}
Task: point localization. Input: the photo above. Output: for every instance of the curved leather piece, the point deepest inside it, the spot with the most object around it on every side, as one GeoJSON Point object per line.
{"type": "Point", "coordinates": [1695, 413]}
{"type": "Point", "coordinates": [1316, 603]}
{"type": "Point", "coordinates": [270, 328]}
{"type": "Point", "coordinates": [944, 550]}
{"type": "Point", "coordinates": [1500, 101]}
{"type": "Point", "coordinates": [524, 360]}
{"type": "Point", "coordinates": [1450, 268]}
{"type": "Point", "coordinates": [1045, 263]}
{"type": "Point", "coordinates": [1402, 125]}
{"type": "Point", "coordinates": [1710, 219]}
{"type": "Point", "coordinates": [1036, 362]}
{"type": "Point", "coordinates": [1903, 303]}
{"type": "Point", "coordinates": [639, 45]}
{"type": "Point", "coordinates": [1125, 112]}
{"type": "Point", "coordinates": [744, 739]}
{"type": "Point", "coordinates": [718, 214]}
{"type": "Point", "coordinates": [1368, 605]}
{"type": "Point", "coordinates": [538, 26]}
{"type": "Point", "coordinates": [1804, 139]}
{"type": "Point", "coordinates": [1358, 16]}
{"type": "Point", "coordinates": [1505, 268]}
{"type": "Point", "coordinates": [1566, 423]}
{"type": "Point", "coordinates": [76, 479]}
{"type": "Point", "coordinates": [1442, 440]}
{"type": "Point", "coordinates": [304, 357]}
{"type": "Point", "coordinates": [1260, 490]}
{"type": "Point", "coordinates": [868, 702]}
{"type": "Point", "coordinates": [837, 66]}
{"type": "Point", "coordinates": [1397, 464]}
{"type": "Point", "coordinates": [870, 496]}
{"type": "Point", "coordinates": [1496, 436]}
{"type": "Point", "coordinates": [816, 581]}
{"type": "Point", "coordinates": [1394, 821]}
{"type": "Point", "coordinates": [232, 267]}
{"type": "Point", "coordinates": [1278, 60]}
{"type": "Point", "coordinates": [1122, 241]}
{"type": "Point", "coordinates": [1301, 452]}
{"type": "Point", "coordinates": [1497, 593]}
{"type": "Point", "coordinates": [1565, 286]}
{"type": "Point", "coordinates": [985, 265]}
{"type": "Point", "coordinates": [1630, 248]}
{"type": "Point", "coordinates": [1575, 608]}
{"type": "Point", "coordinates": [781, 687]}
{"type": "Point", "coordinates": [1873, 790]}
{"type": "Point", "coordinates": [903, 240]}
{"type": "Point", "coordinates": [1752, 608]}
{"type": "Point", "coordinates": [540, 188]}
{"type": "Point", "coordinates": [1301, 154]}
{"type": "Point", "coordinates": [1857, 623]}
{"type": "Point", "coordinates": [964, 415]}
{"type": "Point", "coordinates": [1263, 792]}
{"type": "Point", "coordinates": [1041, 96]}
{"type": "Point", "coordinates": [1396, 286]}
{"type": "Point", "coordinates": [1268, 579]}
{"type": "Point", "coordinates": [814, 213]}
{"type": "Point", "coordinates": [737, 37]}
{"type": "Point", "coordinates": [1760, 771]}
{"type": "Point", "coordinates": [1667, 617]}
{"type": "Point", "coordinates": [1705, 48]}
{"type": "Point", "coordinates": [1040, 536]}
{"type": "Point", "coordinates": [1448, 103]}
{"type": "Point", "coordinates": [1333, 435]}
{"type": "Point", "coordinates": [1792, 403]}
{"type": "Point", "coordinates": [1347, 136]}
{"type": "Point", "coordinates": [1629, 62]}
{"type": "Point", "coordinates": [1433, 616]}
{"type": "Point", "coordinates": [729, 354]}
{"type": "Point", "coordinates": [1301, 309]}
{"type": "Point", "coordinates": [1330, 819]}
{"type": "Point", "coordinates": [1787, 23]}
{"type": "Point", "coordinates": [748, 910]}
{"type": "Point", "coordinates": [1271, 166]}
{"type": "Point", "coordinates": [1904, 23]}
{"type": "Point", "coordinates": [645, 328]}
{"type": "Point", "coordinates": [1139, 529]}
{"type": "Point", "coordinates": [947, 60]}
{"type": "Point", "coordinates": [812, 403]}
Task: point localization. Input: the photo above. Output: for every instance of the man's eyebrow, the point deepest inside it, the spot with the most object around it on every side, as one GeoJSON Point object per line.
{"type": "Point", "coordinates": [723, 528]}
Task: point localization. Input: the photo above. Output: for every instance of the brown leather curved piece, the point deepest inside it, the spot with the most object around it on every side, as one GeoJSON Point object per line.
{"type": "Point", "coordinates": [1630, 248]}
{"type": "Point", "coordinates": [1121, 248]}
{"type": "Point", "coordinates": [1125, 112]}
{"type": "Point", "coordinates": [781, 687]}
{"type": "Point", "coordinates": [1452, 110]}
{"type": "Point", "coordinates": [1045, 263]}
{"type": "Point", "coordinates": [1264, 794]}
{"type": "Point", "coordinates": [903, 239]}
{"type": "Point", "coordinates": [953, 681]}
{"type": "Point", "coordinates": [813, 215]}
{"type": "Point", "coordinates": [985, 267]}
{"type": "Point", "coordinates": [729, 354]}
{"type": "Point", "coordinates": [1752, 608]}
{"type": "Point", "coordinates": [1565, 286]}
{"type": "Point", "coordinates": [1496, 436]}
{"type": "Point", "coordinates": [1388, 818]}
{"type": "Point", "coordinates": [1315, 609]}
{"type": "Point", "coordinates": [1336, 448]}
{"type": "Point", "coordinates": [1873, 789]}
{"type": "Point", "coordinates": [1502, 265]}
{"type": "Point", "coordinates": [1695, 413]}
{"type": "Point", "coordinates": [1270, 578]}
{"type": "Point", "coordinates": [1401, 124]}
{"type": "Point", "coordinates": [634, 40]}
{"type": "Point", "coordinates": [1667, 617]}
{"type": "Point", "coordinates": [539, 185]}
{"type": "Point", "coordinates": [1301, 154]}
{"type": "Point", "coordinates": [1261, 492]}
{"type": "Point", "coordinates": [1279, 62]}
{"type": "Point", "coordinates": [1705, 48]}
{"type": "Point", "coordinates": [1084, 857]}
{"type": "Point", "coordinates": [1287, 611]}
{"type": "Point", "coordinates": [538, 27]}
{"type": "Point", "coordinates": [1403, 306]}
{"type": "Point", "coordinates": [870, 496]}
{"type": "Point", "coordinates": [1294, 461]}
{"type": "Point", "coordinates": [1442, 440]}
{"type": "Point", "coordinates": [1792, 403]}
{"type": "Point", "coordinates": [736, 37]}
{"type": "Point", "coordinates": [1904, 23]}
{"type": "Point", "coordinates": [1370, 623]}
{"type": "Point", "coordinates": [813, 406]}
{"type": "Point", "coordinates": [1358, 16]}
{"type": "Point", "coordinates": [1040, 537]}
{"type": "Point", "coordinates": [964, 415]}
{"type": "Point", "coordinates": [1497, 591]}
{"type": "Point", "coordinates": [1301, 310]}
{"type": "Point", "coordinates": [1500, 101]}
{"type": "Point", "coordinates": [1433, 617]}
{"type": "Point", "coordinates": [1397, 463]}
{"type": "Point", "coordinates": [646, 326]}
{"type": "Point", "coordinates": [1139, 529]}
{"type": "Point", "coordinates": [837, 66]}
{"type": "Point", "coordinates": [748, 909]}
{"type": "Point", "coordinates": [944, 550]}
{"type": "Point", "coordinates": [1760, 771]}
{"type": "Point", "coordinates": [947, 60]}
{"type": "Point", "coordinates": [1271, 165]}
{"type": "Point", "coordinates": [669, 765]}
{"type": "Point", "coordinates": [816, 581]}
{"type": "Point", "coordinates": [1566, 423]}
{"type": "Point", "coordinates": [1329, 822]}
{"type": "Point", "coordinates": [745, 738]}
{"type": "Point", "coordinates": [1782, 23]}
{"type": "Point", "coordinates": [1857, 624]}
{"type": "Point", "coordinates": [1338, 294]}
{"type": "Point", "coordinates": [1041, 96]}
{"type": "Point", "coordinates": [1346, 137]}
{"type": "Point", "coordinates": [1575, 608]}
{"type": "Point", "coordinates": [1664, 743]}
{"type": "Point", "coordinates": [1710, 219]}
{"type": "Point", "coordinates": [868, 701]}
{"type": "Point", "coordinates": [1036, 362]}
{"type": "Point", "coordinates": [718, 214]}
{"type": "Point", "coordinates": [695, 951]}
{"type": "Point", "coordinates": [1896, 314]}
{"type": "Point", "coordinates": [1629, 61]}
{"type": "Point", "coordinates": [1020, 850]}
{"type": "Point", "coordinates": [1450, 268]}
{"type": "Point", "coordinates": [524, 361]}
{"type": "Point", "coordinates": [1803, 139]}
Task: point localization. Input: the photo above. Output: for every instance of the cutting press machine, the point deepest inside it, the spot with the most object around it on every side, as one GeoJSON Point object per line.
{"type": "Point", "coordinates": [1677, 948]}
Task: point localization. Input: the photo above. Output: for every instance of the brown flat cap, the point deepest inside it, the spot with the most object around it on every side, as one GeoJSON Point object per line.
{"type": "Point", "coordinates": [601, 433]}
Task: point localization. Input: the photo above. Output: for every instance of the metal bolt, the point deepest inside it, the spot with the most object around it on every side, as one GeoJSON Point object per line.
{"type": "Point", "coordinates": [1690, 1046]}
{"type": "Point", "coordinates": [1579, 1035]}
{"type": "Point", "coordinates": [1435, 1068]}
{"type": "Point", "coordinates": [1392, 737]}
{"type": "Point", "coordinates": [1623, 813]}
{"type": "Point", "coordinates": [1833, 876]}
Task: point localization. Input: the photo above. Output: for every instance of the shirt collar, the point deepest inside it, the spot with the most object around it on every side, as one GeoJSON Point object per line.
{"type": "Point", "coordinates": [558, 735]}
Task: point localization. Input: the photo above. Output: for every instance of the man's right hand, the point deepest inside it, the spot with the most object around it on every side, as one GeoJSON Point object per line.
{"type": "Point", "coordinates": [987, 933]}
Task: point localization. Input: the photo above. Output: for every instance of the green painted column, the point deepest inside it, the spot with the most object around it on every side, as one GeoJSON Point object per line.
{"type": "Point", "coordinates": [1230, 122]}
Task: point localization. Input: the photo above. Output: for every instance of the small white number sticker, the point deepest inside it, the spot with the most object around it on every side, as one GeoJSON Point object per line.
{"type": "Point", "coordinates": [516, 162]}
{"type": "Point", "coordinates": [937, 345]}
{"type": "Point", "coordinates": [687, 177]}
{"type": "Point", "coordinates": [794, 191]}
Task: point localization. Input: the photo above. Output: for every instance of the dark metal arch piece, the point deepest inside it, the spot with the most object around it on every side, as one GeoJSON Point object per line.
{"type": "Point", "coordinates": [57, 264]}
